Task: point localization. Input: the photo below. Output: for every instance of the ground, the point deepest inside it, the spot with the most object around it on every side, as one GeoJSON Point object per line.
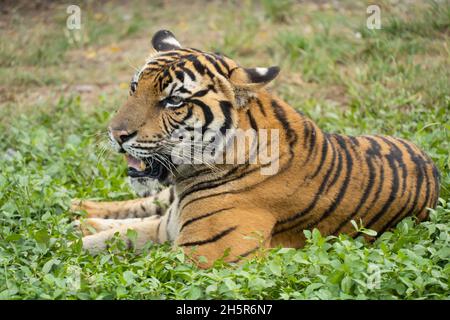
{"type": "Point", "coordinates": [58, 88]}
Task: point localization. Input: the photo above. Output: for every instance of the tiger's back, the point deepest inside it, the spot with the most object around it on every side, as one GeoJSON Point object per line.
{"type": "Point", "coordinates": [377, 180]}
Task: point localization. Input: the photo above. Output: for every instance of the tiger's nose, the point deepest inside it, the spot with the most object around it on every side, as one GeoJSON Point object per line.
{"type": "Point", "coordinates": [122, 136]}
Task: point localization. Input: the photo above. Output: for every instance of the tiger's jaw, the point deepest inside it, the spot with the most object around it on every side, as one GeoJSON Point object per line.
{"type": "Point", "coordinates": [147, 176]}
{"type": "Point", "coordinates": [138, 168]}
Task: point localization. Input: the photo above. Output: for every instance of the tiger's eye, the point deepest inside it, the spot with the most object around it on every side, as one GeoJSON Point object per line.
{"type": "Point", "coordinates": [173, 101]}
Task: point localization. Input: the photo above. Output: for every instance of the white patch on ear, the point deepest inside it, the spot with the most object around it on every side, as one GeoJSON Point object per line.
{"type": "Point", "coordinates": [172, 41]}
{"type": "Point", "coordinates": [261, 71]}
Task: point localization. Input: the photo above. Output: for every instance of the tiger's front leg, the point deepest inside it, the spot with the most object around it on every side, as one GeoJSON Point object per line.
{"type": "Point", "coordinates": [243, 232]}
{"type": "Point", "coordinates": [94, 225]}
{"type": "Point", "coordinates": [137, 208]}
{"type": "Point", "coordinates": [147, 229]}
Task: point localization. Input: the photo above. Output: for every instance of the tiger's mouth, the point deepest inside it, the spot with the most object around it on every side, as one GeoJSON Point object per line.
{"type": "Point", "coordinates": [146, 168]}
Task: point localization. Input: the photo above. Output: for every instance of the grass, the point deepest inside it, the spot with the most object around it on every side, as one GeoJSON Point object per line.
{"type": "Point", "coordinates": [348, 79]}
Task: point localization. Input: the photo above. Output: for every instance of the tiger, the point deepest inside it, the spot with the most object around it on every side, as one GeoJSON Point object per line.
{"type": "Point", "coordinates": [232, 211]}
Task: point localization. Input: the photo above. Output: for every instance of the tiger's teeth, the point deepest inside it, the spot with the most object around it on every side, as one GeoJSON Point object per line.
{"type": "Point", "coordinates": [142, 165]}
{"type": "Point", "coordinates": [135, 163]}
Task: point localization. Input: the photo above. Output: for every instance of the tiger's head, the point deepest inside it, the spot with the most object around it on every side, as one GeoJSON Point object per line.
{"type": "Point", "coordinates": [178, 90]}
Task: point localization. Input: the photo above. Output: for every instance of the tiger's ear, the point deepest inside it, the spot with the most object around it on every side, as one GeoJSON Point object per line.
{"type": "Point", "coordinates": [253, 77]}
{"type": "Point", "coordinates": [164, 40]}
{"type": "Point", "coordinates": [247, 80]}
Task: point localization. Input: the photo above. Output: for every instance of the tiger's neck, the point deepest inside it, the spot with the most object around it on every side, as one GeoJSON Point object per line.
{"type": "Point", "coordinates": [291, 144]}
{"type": "Point", "coordinates": [298, 135]}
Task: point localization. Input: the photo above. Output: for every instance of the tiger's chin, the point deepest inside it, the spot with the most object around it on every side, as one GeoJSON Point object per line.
{"type": "Point", "coordinates": [145, 186]}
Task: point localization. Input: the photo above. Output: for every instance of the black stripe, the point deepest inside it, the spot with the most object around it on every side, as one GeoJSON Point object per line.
{"type": "Point", "coordinates": [322, 158]}
{"type": "Point", "coordinates": [226, 107]}
{"type": "Point", "coordinates": [167, 77]}
{"type": "Point", "coordinates": [252, 121]}
{"type": "Point", "coordinates": [208, 71]}
{"type": "Point", "coordinates": [211, 184]}
{"type": "Point", "coordinates": [391, 159]}
{"type": "Point", "coordinates": [165, 127]}
{"type": "Point", "coordinates": [179, 75]}
{"type": "Point", "coordinates": [398, 156]}
{"type": "Point", "coordinates": [310, 135]}
{"type": "Point", "coordinates": [428, 189]}
{"type": "Point", "coordinates": [201, 93]}
{"type": "Point", "coordinates": [338, 171]}
{"type": "Point", "coordinates": [209, 116]}
{"type": "Point", "coordinates": [173, 122]}
{"type": "Point", "coordinates": [281, 116]}
{"type": "Point", "coordinates": [260, 106]}
{"type": "Point", "coordinates": [418, 163]}
{"type": "Point", "coordinates": [374, 153]}
{"type": "Point", "coordinates": [216, 66]}
{"type": "Point", "coordinates": [188, 114]}
{"type": "Point", "coordinates": [214, 238]}
{"type": "Point", "coordinates": [437, 178]}
{"type": "Point", "coordinates": [222, 61]}
{"type": "Point", "coordinates": [199, 67]}
{"type": "Point", "coordinates": [188, 222]}
{"type": "Point", "coordinates": [187, 71]}
{"type": "Point", "coordinates": [184, 90]}
{"type": "Point", "coordinates": [255, 140]}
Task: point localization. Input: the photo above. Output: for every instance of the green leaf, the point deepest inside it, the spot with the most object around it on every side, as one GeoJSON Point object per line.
{"type": "Point", "coordinates": [275, 268]}
{"type": "Point", "coordinates": [129, 277]}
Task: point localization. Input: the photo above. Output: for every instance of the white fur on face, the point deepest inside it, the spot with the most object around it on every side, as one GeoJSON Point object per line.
{"type": "Point", "coordinates": [114, 144]}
